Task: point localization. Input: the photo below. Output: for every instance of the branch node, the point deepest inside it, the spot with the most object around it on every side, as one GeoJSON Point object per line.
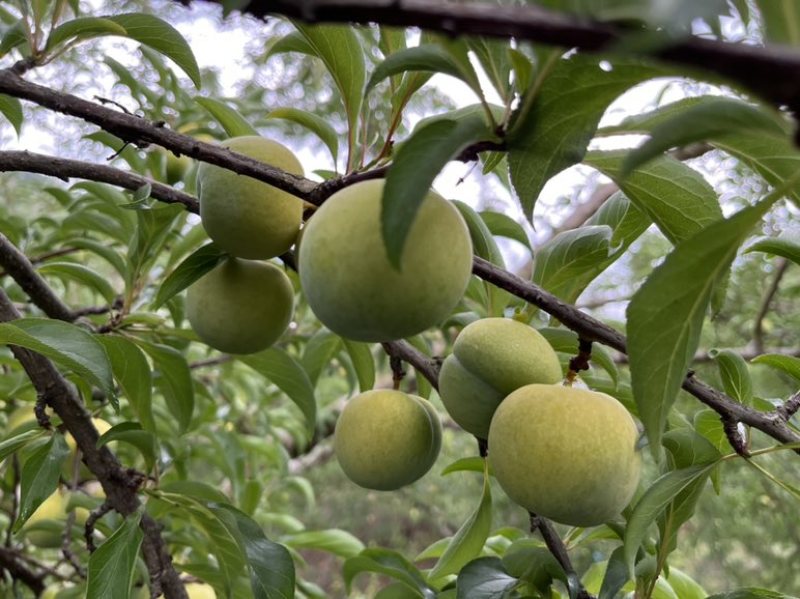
{"type": "Point", "coordinates": [734, 435]}
{"type": "Point", "coordinates": [88, 528]}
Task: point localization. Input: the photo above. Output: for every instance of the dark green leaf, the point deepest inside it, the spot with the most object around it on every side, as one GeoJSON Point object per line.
{"type": "Point", "coordinates": [316, 124]}
{"type": "Point", "coordinates": [780, 20]}
{"type": "Point", "coordinates": [788, 364]}
{"type": "Point", "coordinates": [468, 541]}
{"type": "Point", "coordinates": [554, 132]}
{"type": "Point", "coordinates": [318, 353]}
{"type": "Point", "coordinates": [427, 57]}
{"type": "Point", "coordinates": [779, 246]}
{"type": "Point", "coordinates": [65, 344]}
{"type": "Point", "coordinates": [175, 381]}
{"type": "Point", "coordinates": [290, 377]}
{"type": "Point", "coordinates": [676, 197]}
{"type": "Point", "coordinates": [133, 434]}
{"type": "Point", "coordinates": [530, 561]}
{"type": "Point", "coordinates": [162, 37]}
{"type": "Point", "coordinates": [83, 275]}
{"type": "Point", "coordinates": [271, 568]}
{"type": "Point", "coordinates": [17, 442]}
{"type": "Point", "coordinates": [112, 566]}
{"type": "Point", "coordinates": [12, 37]}
{"type": "Point", "coordinates": [363, 363]}
{"type": "Point", "coordinates": [502, 225]}
{"type": "Point", "coordinates": [666, 315]}
{"type": "Point", "coordinates": [11, 108]}
{"type": "Point", "coordinates": [83, 28]}
{"type": "Point", "coordinates": [335, 541]}
{"type": "Point", "coordinates": [187, 272]}
{"type": "Point", "coordinates": [484, 578]}
{"type": "Point", "coordinates": [153, 225]}
{"type": "Point", "coordinates": [411, 175]}
{"type": "Point", "coordinates": [653, 503]}
{"type": "Point", "coordinates": [40, 474]}
{"type": "Point", "coordinates": [293, 42]}
{"type": "Point", "coordinates": [234, 124]}
{"type": "Point", "coordinates": [389, 563]}
{"type": "Point", "coordinates": [132, 373]}
{"type": "Point", "coordinates": [734, 374]}
{"type": "Point", "coordinates": [493, 55]}
{"type": "Point", "coordinates": [616, 575]}
{"type": "Point", "coordinates": [701, 122]}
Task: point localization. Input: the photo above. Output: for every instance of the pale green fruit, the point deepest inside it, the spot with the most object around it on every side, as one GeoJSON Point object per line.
{"type": "Point", "coordinates": [352, 287]}
{"type": "Point", "coordinates": [387, 439]}
{"type": "Point", "coordinates": [241, 306]}
{"type": "Point", "coordinates": [566, 454]}
{"type": "Point", "coordinates": [491, 358]}
{"type": "Point", "coordinates": [246, 217]}
{"type": "Point", "coordinates": [199, 590]}
{"type": "Point", "coordinates": [45, 526]}
{"type": "Point", "coordinates": [21, 416]}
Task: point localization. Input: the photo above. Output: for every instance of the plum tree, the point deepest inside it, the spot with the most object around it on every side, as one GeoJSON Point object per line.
{"type": "Point", "coordinates": [245, 217]}
{"type": "Point", "coordinates": [353, 288]}
{"type": "Point", "coordinates": [491, 358]}
{"type": "Point", "coordinates": [565, 453]}
{"type": "Point", "coordinates": [241, 306]}
{"type": "Point", "coordinates": [387, 439]}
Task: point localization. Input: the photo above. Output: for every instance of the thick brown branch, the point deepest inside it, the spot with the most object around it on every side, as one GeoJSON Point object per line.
{"type": "Point", "coordinates": [772, 72]}
{"type": "Point", "coordinates": [424, 365]}
{"type": "Point", "coordinates": [120, 485]}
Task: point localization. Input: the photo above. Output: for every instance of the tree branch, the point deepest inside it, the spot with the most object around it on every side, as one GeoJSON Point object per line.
{"type": "Point", "coordinates": [769, 294]}
{"type": "Point", "coordinates": [556, 546]}
{"type": "Point", "coordinates": [10, 561]}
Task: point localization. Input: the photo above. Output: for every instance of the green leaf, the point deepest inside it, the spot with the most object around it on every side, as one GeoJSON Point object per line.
{"type": "Point", "coordinates": [708, 423]}
{"type": "Point", "coordinates": [290, 377]}
{"type": "Point", "coordinates": [335, 541]}
{"type": "Point", "coordinates": [676, 197]}
{"type": "Point", "coordinates": [788, 364]}
{"type": "Point", "coordinates": [484, 578]}
{"type": "Point", "coordinates": [153, 225]}
{"type": "Point", "coordinates": [363, 363]}
{"type": "Point", "coordinates": [734, 374]}
{"type": "Point", "coordinates": [40, 475]}
{"type": "Point", "coordinates": [133, 434]}
{"type": "Point", "coordinates": [318, 353]}
{"type": "Point", "coordinates": [779, 246]}
{"type": "Point", "coordinates": [703, 121]}
{"type": "Point", "coordinates": [666, 314]}
{"type": "Point", "coordinates": [13, 444]}
{"type": "Point", "coordinates": [12, 37]}
{"type": "Point", "coordinates": [502, 225]}
{"type": "Point", "coordinates": [468, 541]}
{"type": "Point", "coordinates": [470, 464]}
{"type": "Point", "coordinates": [271, 568]}
{"type": "Point", "coordinates": [554, 132]}
{"type": "Point", "coordinates": [65, 344]}
{"type": "Point", "coordinates": [11, 108]}
{"type": "Point", "coordinates": [781, 21]}
{"type": "Point", "coordinates": [427, 57]}
{"type": "Point", "coordinates": [616, 575]}
{"type": "Point", "coordinates": [112, 566]}
{"type": "Point", "coordinates": [389, 563]}
{"type": "Point", "coordinates": [339, 48]}
{"type": "Point", "coordinates": [233, 122]}
{"type": "Point", "coordinates": [314, 123]}
{"type": "Point", "coordinates": [132, 373]}
{"type": "Point", "coordinates": [83, 275]}
{"type": "Point", "coordinates": [162, 37]}
{"type": "Point", "coordinates": [751, 593]}
{"type": "Point", "coordinates": [413, 170]}
{"type": "Point", "coordinates": [293, 42]}
{"type": "Point", "coordinates": [653, 503]}
{"type": "Point", "coordinates": [684, 586]}
{"type": "Point", "coordinates": [187, 272]}
{"type": "Point", "coordinates": [83, 28]}
{"type": "Point", "coordinates": [494, 57]}
{"type": "Point", "coordinates": [175, 381]}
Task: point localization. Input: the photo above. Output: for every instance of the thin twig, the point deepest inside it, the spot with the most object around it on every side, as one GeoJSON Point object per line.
{"type": "Point", "coordinates": [769, 295]}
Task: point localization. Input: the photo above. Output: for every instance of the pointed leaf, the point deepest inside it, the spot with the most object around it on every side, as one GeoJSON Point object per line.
{"type": "Point", "coordinates": [666, 315]}
{"type": "Point", "coordinates": [391, 564]}
{"type": "Point", "coordinates": [781, 20]}
{"type": "Point", "coordinates": [12, 37]}
{"type": "Point", "coordinates": [233, 123]}
{"type": "Point", "coordinates": [175, 381]}
{"type": "Point", "coordinates": [788, 364]}
{"type": "Point", "coordinates": [778, 246]}
{"type": "Point", "coordinates": [318, 353]}
{"type": "Point", "coordinates": [502, 225]}
{"type": "Point", "coordinates": [312, 122]}
{"type": "Point", "coordinates": [162, 37]}
{"type": "Point", "coordinates": [734, 374]}
{"type": "Point", "coordinates": [288, 375]}
{"type": "Point", "coordinates": [471, 464]}
{"type": "Point", "coordinates": [427, 57]}
{"type": "Point", "coordinates": [11, 108]}
{"type": "Point", "coordinates": [83, 275]}
{"type": "Point", "coordinates": [187, 272]}
{"type": "Point", "coordinates": [133, 434]}
{"type": "Point", "coordinates": [40, 475]}
{"type": "Point", "coordinates": [112, 566]}
{"type": "Point", "coordinates": [484, 578]}
{"type": "Point", "coordinates": [554, 132]}
{"type": "Point", "coordinates": [616, 575]}
{"type": "Point", "coordinates": [468, 541]}
{"type": "Point", "coordinates": [335, 541]}
{"type": "Point", "coordinates": [363, 362]}
{"type": "Point", "coordinates": [133, 375]}
{"type": "Point", "coordinates": [83, 28]}
{"type": "Point", "coordinates": [653, 502]}
{"type": "Point", "coordinates": [415, 167]}
{"type": "Point", "coordinates": [13, 444]}
{"type": "Point", "coordinates": [65, 344]}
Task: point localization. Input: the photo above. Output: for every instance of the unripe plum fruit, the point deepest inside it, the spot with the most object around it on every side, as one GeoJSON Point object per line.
{"type": "Point", "coordinates": [241, 306]}
{"type": "Point", "coordinates": [491, 358]}
{"type": "Point", "coordinates": [564, 453]}
{"type": "Point", "coordinates": [387, 439]}
{"type": "Point", "coordinates": [200, 590]}
{"type": "Point", "coordinates": [353, 288]}
{"type": "Point", "coordinates": [244, 216]}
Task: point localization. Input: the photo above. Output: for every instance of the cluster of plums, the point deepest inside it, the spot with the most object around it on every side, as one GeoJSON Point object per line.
{"type": "Point", "coordinates": [565, 453]}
